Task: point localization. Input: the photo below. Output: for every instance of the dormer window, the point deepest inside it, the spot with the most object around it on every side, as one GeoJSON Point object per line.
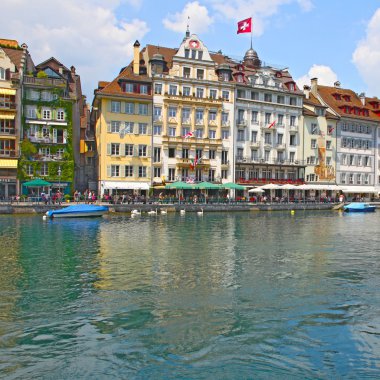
{"type": "Point", "coordinates": [225, 77]}
{"type": "Point", "coordinates": [200, 55]}
{"type": "Point", "coordinates": [193, 54]}
{"type": "Point", "coordinates": [336, 96]}
{"type": "Point", "coordinates": [347, 98]}
{"type": "Point", "coordinates": [187, 53]}
{"type": "Point", "coordinates": [128, 87]}
{"type": "Point", "coordinates": [291, 86]}
{"type": "Point", "coordinates": [239, 78]}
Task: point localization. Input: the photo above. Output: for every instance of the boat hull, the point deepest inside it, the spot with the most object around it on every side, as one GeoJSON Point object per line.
{"type": "Point", "coordinates": [359, 207]}
{"type": "Point", "coordinates": [369, 209]}
{"type": "Point", "coordinates": [80, 211]}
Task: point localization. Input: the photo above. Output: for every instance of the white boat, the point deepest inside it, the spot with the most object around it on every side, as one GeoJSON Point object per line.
{"type": "Point", "coordinates": [78, 211]}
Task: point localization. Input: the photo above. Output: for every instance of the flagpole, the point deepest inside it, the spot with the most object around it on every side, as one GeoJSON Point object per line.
{"type": "Point", "coordinates": [251, 31]}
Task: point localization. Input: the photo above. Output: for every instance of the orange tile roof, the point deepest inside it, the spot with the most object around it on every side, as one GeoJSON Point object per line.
{"type": "Point", "coordinates": [338, 106]}
{"type": "Point", "coordinates": [307, 112]}
{"type": "Point", "coordinates": [9, 43]}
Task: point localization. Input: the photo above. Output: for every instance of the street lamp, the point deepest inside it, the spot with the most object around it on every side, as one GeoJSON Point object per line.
{"type": "Point", "coordinates": [59, 178]}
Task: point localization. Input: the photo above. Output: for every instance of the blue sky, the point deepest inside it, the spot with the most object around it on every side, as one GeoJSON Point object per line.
{"type": "Point", "coordinates": [332, 40]}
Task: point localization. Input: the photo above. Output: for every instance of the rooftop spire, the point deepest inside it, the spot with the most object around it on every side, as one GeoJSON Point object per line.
{"type": "Point", "coordinates": [187, 29]}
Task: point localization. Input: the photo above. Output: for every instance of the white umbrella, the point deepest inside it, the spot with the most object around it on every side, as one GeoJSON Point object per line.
{"type": "Point", "coordinates": [288, 186]}
{"type": "Point", "coordinates": [256, 190]}
{"type": "Point", "coordinates": [270, 186]}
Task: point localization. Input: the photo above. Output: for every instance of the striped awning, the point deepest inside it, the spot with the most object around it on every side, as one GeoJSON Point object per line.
{"type": "Point", "coordinates": [7, 91]}
{"type": "Point", "coordinates": [8, 164]}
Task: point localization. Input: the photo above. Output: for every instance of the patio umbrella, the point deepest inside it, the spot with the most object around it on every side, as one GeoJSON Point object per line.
{"type": "Point", "coordinates": [207, 186]}
{"type": "Point", "coordinates": [256, 190]}
{"type": "Point", "coordinates": [233, 185]}
{"type": "Point", "coordinates": [179, 185]}
{"type": "Point", "coordinates": [271, 186]}
{"type": "Point", "coordinates": [38, 182]}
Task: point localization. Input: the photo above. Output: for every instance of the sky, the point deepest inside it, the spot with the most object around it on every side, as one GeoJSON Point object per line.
{"type": "Point", "coordinates": [327, 39]}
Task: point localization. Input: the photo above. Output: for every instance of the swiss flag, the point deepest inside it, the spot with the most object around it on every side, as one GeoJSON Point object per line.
{"type": "Point", "coordinates": [245, 26]}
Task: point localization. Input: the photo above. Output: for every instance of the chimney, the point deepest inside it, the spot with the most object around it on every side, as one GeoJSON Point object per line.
{"type": "Point", "coordinates": [136, 58]}
{"type": "Point", "coordinates": [306, 91]}
{"type": "Point", "coordinates": [72, 68]}
{"type": "Point", "coordinates": [362, 98]}
{"type": "Point", "coordinates": [314, 86]}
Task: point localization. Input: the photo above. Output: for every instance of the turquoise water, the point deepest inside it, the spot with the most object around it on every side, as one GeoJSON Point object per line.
{"type": "Point", "coordinates": [223, 296]}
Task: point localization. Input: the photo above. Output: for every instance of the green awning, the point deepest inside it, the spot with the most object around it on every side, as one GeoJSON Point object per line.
{"type": "Point", "coordinates": [233, 185]}
{"type": "Point", "coordinates": [37, 183]}
{"type": "Point", "coordinates": [179, 185]}
{"type": "Point", "coordinates": [207, 186]}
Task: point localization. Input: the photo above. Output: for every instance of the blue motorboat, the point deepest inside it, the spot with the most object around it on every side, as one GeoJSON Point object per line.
{"type": "Point", "coordinates": [78, 211]}
{"type": "Point", "coordinates": [359, 207]}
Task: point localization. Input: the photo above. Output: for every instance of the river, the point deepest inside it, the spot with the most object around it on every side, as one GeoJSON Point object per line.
{"type": "Point", "coordinates": [241, 295]}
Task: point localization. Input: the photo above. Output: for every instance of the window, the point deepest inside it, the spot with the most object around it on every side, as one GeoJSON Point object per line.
{"type": "Point", "coordinates": [224, 157]}
{"type": "Point", "coordinates": [143, 109]}
{"type": "Point", "coordinates": [129, 108]}
{"type": "Point", "coordinates": [44, 169]}
{"type": "Point", "coordinates": [351, 178]}
{"type": "Point", "coordinates": [142, 171]}
{"type": "Point", "coordinates": [199, 133]}
{"type": "Point", "coordinates": [366, 179]}
{"type": "Point", "coordinates": [157, 112]}
{"type": "Point", "coordinates": [254, 118]}
{"type": "Point", "coordinates": [157, 130]}
{"type": "Point", "coordinates": [359, 161]}
{"type": "Point", "coordinates": [268, 138]}
{"type": "Point", "coordinates": [199, 116]}
{"type": "Point", "coordinates": [129, 149]}
{"type": "Point", "coordinates": [143, 89]}
{"type": "Point", "coordinates": [292, 156]}
{"type": "Point", "coordinates": [156, 154]}
{"type": "Point", "coordinates": [225, 95]}
{"type": "Point", "coordinates": [240, 135]}
{"type": "Point", "coordinates": [2, 73]}
{"type": "Point", "coordinates": [193, 54]}
{"type": "Point", "coordinates": [266, 155]}
{"type": "Point", "coordinates": [254, 154]}
{"type": "Point", "coordinates": [158, 88]}
{"type": "Point", "coordinates": [115, 170]}
{"type": "Point", "coordinates": [171, 174]}
{"type": "Point", "coordinates": [212, 154]}
{"type": "Point", "coordinates": [200, 74]}
{"type": "Point", "coordinates": [60, 115]}
{"type": "Point", "coordinates": [224, 174]}
{"type": "Point", "coordinates": [46, 114]}
{"type": "Point", "coordinates": [267, 97]}
{"type": "Point", "coordinates": [171, 153]}
{"type": "Point", "coordinates": [172, 111]}
{"type": "Point", "coordinates": [186, 72]}
{"type": "Point", "coordinates": [314, 129]}
{"type": "Point", "coordinates": [280, 119]}
{"type": "Point", "coordinates": [60, 152]}
{"type": "Point", "coordinates": [343, 178]}
{"type": "Point", "coordinates": [115, 126]}
{"type": "Point", "coordinates": [172, 131]}
{"type": "Point", "coordinates": [254, 136]}
{"type": "Point", "coordinates": [267, 118]}
{"type": "Point", "coordinates": [358, 179]}
{"type": "Point", "coordinates": [225, 76]}
{"type": "Point", "coordinates": [115, 149]}
{"type": "Point", "coordinates": [128, 126]}
{"type": "Point", "coordinates": [212, 116]}
{"type": "Point", "coordinates": [240, 116]}
{"type": "Point", "coordinates": [31, 112]}
{"type": "Point", "coordinates": [185, 114]}
{"type": "Point", "coordinates": [213, 94]}
{"type": "Point", "coordinates": [280, 138]}
{"type": "Point", "coordinates": [328, 160]}
{"type": "Point", "coordinates": [200, 92]}
{"type": "Point", "coordinates": [292, 121]}
{"type": "Point", "coordinates": [313, 143]}
{"type": "Point", "coordinates": [157, 172]}
{"type": "Point", "coordinates": [29, 168]}
{"type": "Point", "coordinates": [185, 153]}
{"type": "Point", "coordinates": [198, 153]}
{"type": "Point", "coordinates": [142, 150]}
{"type": "Point", "coordinates": [343, 159]}
{"type": "Point", "coordinates": [351, 159]}
{"type": "Point", "coordinates": [186, 90]}
{"type": "Point", "coordinates": [143, 128]}
{"type": "Point", "coordinates": [225, 134]}
{"type": "Point", "coordinates": [240, 93]}
{"type": "Point", "coordinates": [225, 118]}
{"type": "Point", "coordinates": [293, 101]}
{"type": "Point", "coordinates": [292, 140]}
{"type": "Point", "coordinates": [200, 55]}
{"type": "Point", "coordinates": [187, 53]}
{"type": "Point", "coordinates": [128, 87]}
{"type": "Point", "coordinates": [212, 134]}
{"type": "Point", "coordinates": [367, 161]}
{"type": "Point", "coordinates": [115, 106]}
{"type": "Point", "coordinates": [211, 175]}
{"type": "Point", "coordinates": [128, 170]}
{"type": "Point", "coordinates": [328, 144]}
{"type": "Point", "coordinates": [280, 99]}
{"type": "Point", "coordinates": [172, 90]}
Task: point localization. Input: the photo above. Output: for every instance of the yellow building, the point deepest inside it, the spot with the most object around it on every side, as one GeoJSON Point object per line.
{"type": "Point", "coordinates": [123, 112]}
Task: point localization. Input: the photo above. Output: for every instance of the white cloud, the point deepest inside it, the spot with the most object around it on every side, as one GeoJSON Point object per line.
{"type": "Point", "coordinates": [85, 34]}
{"type": "Point", "coordinates": [260, 10]}
{"type": "Point", "coordinates": [199, 19]}
{"type": "Point", "coordinates": [326, 76]}
{"type": "Point", "coordinates": [366, 56]}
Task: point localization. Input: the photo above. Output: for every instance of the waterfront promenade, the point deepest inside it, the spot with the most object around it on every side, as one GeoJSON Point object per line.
{"type": "Point", "coordinates": [41, 208]}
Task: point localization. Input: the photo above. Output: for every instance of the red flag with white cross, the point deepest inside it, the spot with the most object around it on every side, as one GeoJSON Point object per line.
{"type": "Point", "coordinates": [245, 26]}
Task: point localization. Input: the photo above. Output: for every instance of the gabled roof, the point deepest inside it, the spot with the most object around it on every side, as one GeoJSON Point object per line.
{"type": "Point", "coordinates": [15, 55]}
{"type": "Point", "coordinates": [313, 101]}
{"type": "Point", "coordinates": [52, 63]}
{"type": "Point", "coordinates": [329, 96]}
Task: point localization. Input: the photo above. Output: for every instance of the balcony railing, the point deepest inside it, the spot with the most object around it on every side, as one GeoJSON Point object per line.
{"type": "Point", "coordinates": [44, 81]}
{"type": "Point", "coordinates": [241, 122]}
{"type": "Point", "coordinates": [271, 161]}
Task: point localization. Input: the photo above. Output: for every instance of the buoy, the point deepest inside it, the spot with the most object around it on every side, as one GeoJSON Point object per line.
{"type": "Point", "coordinates": [292, 212]}
{"type": "Point", "coordinates": [44, 217]}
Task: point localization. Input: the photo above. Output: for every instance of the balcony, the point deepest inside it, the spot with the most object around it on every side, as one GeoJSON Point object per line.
{"type": "Point", "coordinates": [268, 126]}
{"type": "Point", "coordinates": [280, 146]}
{"type": "Point", "coordinates": [241, 122]}
{"type": "Point", "coordinates": [293, 128]}
{"type": "Point", "coordinates": [43, 82]}
{"type": "Point", "coordinates": [254, 144]}
{"type": "Point", "coordinates": [47, 140]}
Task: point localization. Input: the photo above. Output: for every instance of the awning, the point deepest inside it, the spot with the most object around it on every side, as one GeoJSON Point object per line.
{"type": "Point", "coordinates": [8, 164]}
{"type": "Point", "coordinates": [125, 185]}
{"type": "Point", "coordinates": [9, 116]}
{"type": "Point", "coordinates": [359, 189]}
{"type": "Point", "coordinates": [7, 91]}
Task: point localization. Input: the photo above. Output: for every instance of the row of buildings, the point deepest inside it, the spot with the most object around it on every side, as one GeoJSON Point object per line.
{"type": "Point", "coordinates": [184, 114]}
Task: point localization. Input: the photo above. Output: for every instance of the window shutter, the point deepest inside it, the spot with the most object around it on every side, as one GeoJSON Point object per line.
{"type": "Point", "coordinates": [148, 171]}
{"type": "Point", "coordinates": [137, 108]}
{"type": "Point", "coordinates": [108, 149]}
{"type": "Point", "coordinates": [149, 130]}
{"type": "Point", "coordinates": [149, 151]}
{"type": "Point", "coordinates": [108, 171]}
{"type": "Point", "coordinates": [122, 149]}
{"type": "Point", "coordinates": [7, 74]}
{"type": "Point", "coordinates": [109, 127]}
{"type": "Point", "coordinates": [122, 170]}
{"type": "Point", "coordinates": [65, 136]}
{"type": "Point", "coordinates": [136, 128]}
{"type": "Point", "coordinates": [135, 171]}
{"type": "Point", "coordinates": [135, 150]}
